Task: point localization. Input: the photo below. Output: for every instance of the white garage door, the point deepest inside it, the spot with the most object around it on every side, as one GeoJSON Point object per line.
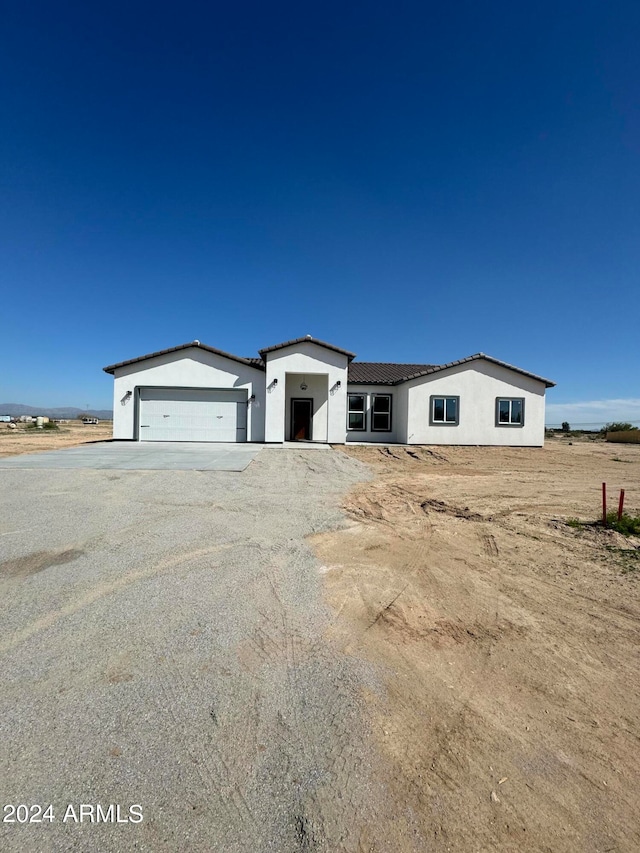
{"type": "Point", "coordinates": [187, 414]}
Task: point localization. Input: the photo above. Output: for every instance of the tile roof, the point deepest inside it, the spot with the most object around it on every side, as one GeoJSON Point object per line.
{"type": "Point", "coordinates": [383, 372]}
{"type": "Point", "coordinates": [251, 362]}
{"type": "Point", "coordinates": [478, 356]}
{"type": "Point", "coordinates": [359, 372]}
{"type": "Point", "coordinates": [307, 339]}
{"type": "Point", "coordinates": [390, 373]}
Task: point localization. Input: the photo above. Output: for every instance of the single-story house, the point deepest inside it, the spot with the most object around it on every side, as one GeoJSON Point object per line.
{"type": "Point", "coordinates": [309, 390]}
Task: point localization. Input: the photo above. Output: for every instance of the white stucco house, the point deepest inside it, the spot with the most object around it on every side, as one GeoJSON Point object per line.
{"type": "Point", "coordinates": [309, 390]}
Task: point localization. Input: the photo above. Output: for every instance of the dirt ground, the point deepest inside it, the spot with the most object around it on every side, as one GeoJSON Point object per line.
{"type": "Point", "coordinates": [71, 434]}
{"type": "Point", "coordinates": [508, 642]}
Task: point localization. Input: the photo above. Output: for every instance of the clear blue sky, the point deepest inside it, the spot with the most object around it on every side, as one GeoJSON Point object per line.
{"type": "Point", "coordinates": [413, 181]}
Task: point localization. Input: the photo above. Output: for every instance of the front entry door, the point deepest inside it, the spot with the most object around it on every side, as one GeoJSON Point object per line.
{"type": "Point", "coordinates": [301, 415]}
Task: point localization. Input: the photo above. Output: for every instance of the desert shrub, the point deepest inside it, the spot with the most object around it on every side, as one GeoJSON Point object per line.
{"type": "Point", "coordinates": [628, 525]}
{"type": "Point", "coordinates": [617, 426]}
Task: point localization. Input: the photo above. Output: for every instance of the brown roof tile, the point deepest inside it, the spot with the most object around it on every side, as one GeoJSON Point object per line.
{"type": "Point", "coordinates": [479, 356]}
{"type": "Point", "coordinates": [389, 373]}
{"type": "Point", "coordinates": [382, 372]}
{"type": "Point", "coordinates": [359, 372]}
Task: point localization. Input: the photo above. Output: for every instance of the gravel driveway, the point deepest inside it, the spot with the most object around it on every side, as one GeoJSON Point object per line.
{"type": "Point", "coordinates": [163, 644]}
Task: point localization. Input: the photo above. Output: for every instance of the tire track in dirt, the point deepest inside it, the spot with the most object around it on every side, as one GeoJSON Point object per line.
{"type": "Point", "coordinates": [102, 590]}
{"type": "Point", "coordinates": [312, 742]}
{"type": "Point", "coordinates": [316, 727]}
{"type": "Point", "coordinates": [217, 774]}
{"type": "Point", "coordinates": [485, 665]}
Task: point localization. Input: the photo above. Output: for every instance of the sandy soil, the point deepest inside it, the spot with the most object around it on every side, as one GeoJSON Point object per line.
{"type": "Point", "coordinates": [23, 440]}
{"type": "Point", "coordinates": [508, 641]}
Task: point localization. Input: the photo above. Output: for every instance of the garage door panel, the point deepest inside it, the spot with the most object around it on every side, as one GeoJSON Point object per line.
{"type": "Point", "coordinates": [170, 414]}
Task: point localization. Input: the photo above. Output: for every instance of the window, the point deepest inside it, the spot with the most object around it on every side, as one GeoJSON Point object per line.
{"type": "Point", "coordinates": [381, 412]}
{"type": "Point", "coordinates": [444, 410]}
{"type": "Point", "coordinates": [356, 417]}
{"type": "Point", "coordinates": [510, 411]}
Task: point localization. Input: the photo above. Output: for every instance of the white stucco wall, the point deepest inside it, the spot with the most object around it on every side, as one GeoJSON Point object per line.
{"type": "Point", "coordinates": [397, 418]}
{"type": "Point", "coordinates": [306, 358]}
{"type": "Point", "coordinates": [401, 393]}
{"type": "Point", "coordinates": [189, 368]}
{"type": "Point", "coordinates": [477, 383]}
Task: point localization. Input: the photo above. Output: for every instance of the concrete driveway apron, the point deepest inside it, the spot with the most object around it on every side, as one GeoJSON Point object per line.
{"type": "Point", "coordinates": [136, 456]}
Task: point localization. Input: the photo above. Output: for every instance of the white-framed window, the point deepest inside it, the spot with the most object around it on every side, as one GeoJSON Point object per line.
{"type": "Point", "coordinates": [357, 411]}
{"type": "Point", "coordinates": [444, 411]}
{"type": "Point", "coordinates": [381, 412]}
{"type": "Point", "coordinates": [510, 411]}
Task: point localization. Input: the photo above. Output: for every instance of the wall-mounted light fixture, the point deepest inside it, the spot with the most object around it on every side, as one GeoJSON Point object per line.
{"type": "Point", "coordinates": [275, 382]}
{"type": "Point", "coordinates": [338, 384]}
{"type": "Point", "coordinates": [252, 398]}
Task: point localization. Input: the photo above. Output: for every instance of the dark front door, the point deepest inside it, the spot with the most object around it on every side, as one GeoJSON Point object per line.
{"type": "Point", "coordinates": [301, 414]}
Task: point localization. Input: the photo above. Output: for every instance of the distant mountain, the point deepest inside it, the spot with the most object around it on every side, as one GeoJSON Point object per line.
{"type": "Point", "coordinates": [64, 413]}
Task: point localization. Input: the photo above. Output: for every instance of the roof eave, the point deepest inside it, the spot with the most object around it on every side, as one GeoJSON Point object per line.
{"type": "Point", "coordinates": [372, 381]}
{"type": "Point", "coordinates": [307, 340]}
{"type": "Point", "coordinates": [111, 368]}
{"type": "Point", "coordinates": [480, 356]}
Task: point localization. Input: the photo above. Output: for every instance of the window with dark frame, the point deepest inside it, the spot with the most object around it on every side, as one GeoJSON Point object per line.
{"type": "Point", "coordinates": [444, 411]}
{"type": "Point", "coordinates": [381, 412]}
{"type": "Point", "coordinates": [356, 412]}
{"type": "Point", "coordinates": [510, 411]}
